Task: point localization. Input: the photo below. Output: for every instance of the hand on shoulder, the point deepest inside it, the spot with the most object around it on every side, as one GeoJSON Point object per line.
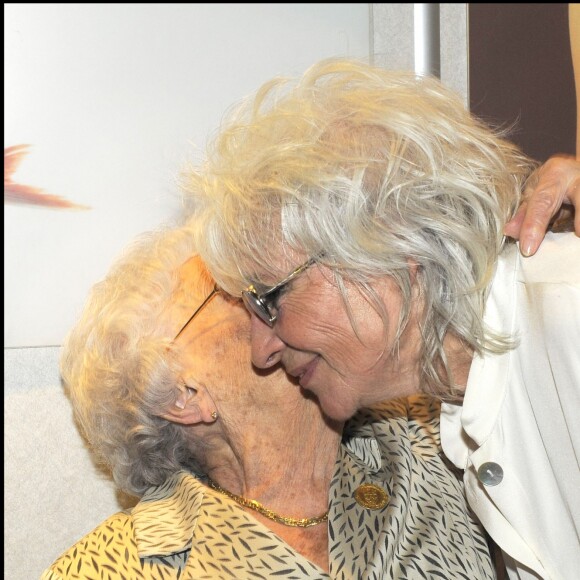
{"type": "Point", "coordinates": [549, 202]}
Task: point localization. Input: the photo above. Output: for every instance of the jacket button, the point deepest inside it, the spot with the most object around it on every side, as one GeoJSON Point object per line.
{"type": "Point", "coordinates": [371, 496]}
{"type": "Point", "coordinates": [490, 473]}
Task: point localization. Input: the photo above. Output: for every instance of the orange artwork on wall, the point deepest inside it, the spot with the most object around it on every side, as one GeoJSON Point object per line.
{"type": "Point", "coordinates": [27, 194]}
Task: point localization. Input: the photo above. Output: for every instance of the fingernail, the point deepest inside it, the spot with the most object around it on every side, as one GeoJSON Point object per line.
{"type": "Point", "coordinates": [530, 243]}
{"type": "Point", "coordinates": [527, 249]}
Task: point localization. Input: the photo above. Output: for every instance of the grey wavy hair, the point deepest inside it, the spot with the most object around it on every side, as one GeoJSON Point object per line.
{"type": "Point", "coordinates": [373, 168]}
{"type": "Point", "coordinates": [118, 367]}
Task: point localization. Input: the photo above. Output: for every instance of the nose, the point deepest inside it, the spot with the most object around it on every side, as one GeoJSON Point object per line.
{"type": "Point", "coordinates": [267, 348]}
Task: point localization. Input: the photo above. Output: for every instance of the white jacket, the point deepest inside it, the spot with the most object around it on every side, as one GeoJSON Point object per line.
{"type": "Point", "coordinates": [521, 415]}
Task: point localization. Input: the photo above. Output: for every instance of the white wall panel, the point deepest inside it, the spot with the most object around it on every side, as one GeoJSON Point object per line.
{"type": "Point", "coordinates": [113, 98]}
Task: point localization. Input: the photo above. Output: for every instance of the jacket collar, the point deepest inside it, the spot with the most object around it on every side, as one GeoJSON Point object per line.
{"type": "Point", "coordinates": [465, 427]}
{"type": "Point", "coordinates": [164, 520]}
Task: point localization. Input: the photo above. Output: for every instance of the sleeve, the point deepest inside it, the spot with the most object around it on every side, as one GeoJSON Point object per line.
{"type": "Point", "coordinates": [108, 551]}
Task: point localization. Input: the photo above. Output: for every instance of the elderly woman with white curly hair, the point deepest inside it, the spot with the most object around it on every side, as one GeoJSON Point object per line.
{"type": "Point", "coordinates": [239, 473]}
{"type": "Point", "coordinates": [360, 213]}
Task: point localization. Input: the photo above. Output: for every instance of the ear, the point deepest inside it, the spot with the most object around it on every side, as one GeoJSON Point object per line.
{"type": "Point", "coordinates": [193, 405]}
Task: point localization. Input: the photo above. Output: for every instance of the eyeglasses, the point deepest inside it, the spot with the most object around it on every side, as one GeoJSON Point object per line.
{"type": "Point", "coordinates": [199, 309]}
{"type": "Point", "coordinates": [263, 305]}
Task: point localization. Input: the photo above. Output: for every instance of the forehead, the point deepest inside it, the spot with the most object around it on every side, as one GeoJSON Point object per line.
{"type": "Point", "coordinates": [193, 279]}
{"type": "Point", "coordinates": [191, 285]}
{"type": "Point", "coordinates": [194, 284]}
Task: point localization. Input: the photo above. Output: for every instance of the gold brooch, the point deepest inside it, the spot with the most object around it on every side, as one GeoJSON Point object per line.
{"type": "Point", "coordinates": [371, 496]}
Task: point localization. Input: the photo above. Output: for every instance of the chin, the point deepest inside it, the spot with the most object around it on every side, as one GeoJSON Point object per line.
{"type": "Point", "coordinates": [336, 411]}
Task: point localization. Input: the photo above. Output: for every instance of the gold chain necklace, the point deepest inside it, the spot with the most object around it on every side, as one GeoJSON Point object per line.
{"type": "Point", "coordinates": [257, 506]}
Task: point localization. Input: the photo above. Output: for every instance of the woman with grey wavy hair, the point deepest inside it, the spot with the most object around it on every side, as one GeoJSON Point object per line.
{"type": "Point", "coordinates": [157, 369]}
{"type": "Point", "coordinates": [239, 473]}
{"type": "Point", "coordinates": [360, 213]}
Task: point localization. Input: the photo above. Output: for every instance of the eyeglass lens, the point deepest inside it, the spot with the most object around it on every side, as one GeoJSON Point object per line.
{"type": "Point", "coordinates": [258, 306]}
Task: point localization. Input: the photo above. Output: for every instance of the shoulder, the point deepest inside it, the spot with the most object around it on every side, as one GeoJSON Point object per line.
{"type": "Point", "coordinates": [109, 549]}
{"type": "Point", "coordinates": [557, 260]}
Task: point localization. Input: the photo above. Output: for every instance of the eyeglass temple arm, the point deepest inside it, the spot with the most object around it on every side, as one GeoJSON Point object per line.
{"type": "Point", "coordinates": [287, 279]}
{"type": "Point", "coordinates": [209, 297]}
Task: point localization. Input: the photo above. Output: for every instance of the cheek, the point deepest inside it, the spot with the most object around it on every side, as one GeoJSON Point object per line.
{"type": "Point", "coordinates": [231, 357]}
{"type": "Point", "coordinates": [224, 357]}
{"type": "Point", "coordinates": [324, 328]}
{"type": "Point", "coordinates": [241, 337]}
{"type": "Point", "coordinates": [316, 318]}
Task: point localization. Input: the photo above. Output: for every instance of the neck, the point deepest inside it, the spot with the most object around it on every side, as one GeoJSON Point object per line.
{"type": "Point", "coordinates": [286, 464]}
{"type": "Point", "coordinates": [460, 358]}
{"type": "Point", "coordinates": [270, 514]}
{"type": "Point", "coordinates": [275, 462]}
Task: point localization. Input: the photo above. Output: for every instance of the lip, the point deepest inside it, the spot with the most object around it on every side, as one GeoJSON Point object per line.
{"type": "Point", "coordinates": [305, 372]}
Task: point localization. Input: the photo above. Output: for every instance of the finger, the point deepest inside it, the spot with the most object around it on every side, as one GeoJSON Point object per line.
{"type": "Point", "coordinates": [514, 226]}
{"type": "Point", "coordinates": [540, 209]}
{"type": "Point", "coordinates": [574, 199]}
{"type": "Point", "coordinates": [544, 194]}
{"type": "Point", "coordinates": [554, 183]}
